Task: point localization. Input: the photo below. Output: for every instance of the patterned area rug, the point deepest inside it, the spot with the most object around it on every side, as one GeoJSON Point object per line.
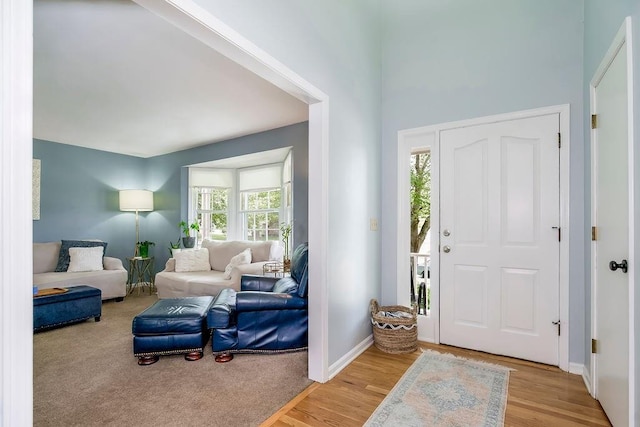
{"type": "Point", "coordinates": [445, 390]}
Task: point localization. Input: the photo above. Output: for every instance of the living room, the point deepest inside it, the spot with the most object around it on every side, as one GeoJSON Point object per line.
{"type": "Point", "coordinates": [352, 89]}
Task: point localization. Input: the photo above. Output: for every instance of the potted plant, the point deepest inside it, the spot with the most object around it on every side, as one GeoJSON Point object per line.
{"type": "Point", "coordinates": [143, 248]}
{"type": "Point", "coordinates": [174, 247]}
{"type": "Point", "coordinates": [187, 240]}
{"type": "Point", "coordinates": [285, 233]}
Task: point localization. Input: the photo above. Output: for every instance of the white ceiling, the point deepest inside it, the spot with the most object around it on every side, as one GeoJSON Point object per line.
{"type": "Point", "coordinates": [112, 76]}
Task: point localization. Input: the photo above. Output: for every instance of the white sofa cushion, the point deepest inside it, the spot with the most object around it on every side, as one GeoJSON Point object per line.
{"type": "Point", "coordinates": [86, 259]}
{"type": "Point", "coordinates": [220, 253]}
{"type": "Point", "coordinates": [243, 257]}
{"type": "Point", "coordinates": [45, 256]}
{"type": "Point", "coordinates": [192, 260]}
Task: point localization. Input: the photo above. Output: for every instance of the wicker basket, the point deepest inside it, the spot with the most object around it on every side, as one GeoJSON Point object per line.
{"type": "Point", "coordinates": [391, 334]}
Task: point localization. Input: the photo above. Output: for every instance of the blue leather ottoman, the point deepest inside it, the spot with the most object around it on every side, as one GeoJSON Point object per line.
{"type": "Point", "coordinates": [171, 326]}
{"type": "Point", "coordinates": [77, 304]}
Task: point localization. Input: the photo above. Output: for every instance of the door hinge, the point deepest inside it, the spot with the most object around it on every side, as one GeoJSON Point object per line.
{"type": "Point", "coordinates": [594, 346]}
{"type": "Point", "coordinates": [558, 325]}
{"type": "Point", "coordinates": [559, 140]}
{"type": "Point", "coordinates": [594, 121]}
{"type": "Point", "coordinates": [594, 233]}
{"type": "Point", "coordinates": [559, 233]}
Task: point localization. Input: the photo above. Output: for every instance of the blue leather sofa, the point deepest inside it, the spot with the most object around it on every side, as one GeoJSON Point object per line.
{"type": "Point", "coordinates": [268, 314]}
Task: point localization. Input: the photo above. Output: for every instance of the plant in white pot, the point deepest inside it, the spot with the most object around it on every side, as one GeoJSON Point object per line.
{"type": "Point", "coordinates": [174, 246]}
{"type": "Point", "coordinates": [189, 241]}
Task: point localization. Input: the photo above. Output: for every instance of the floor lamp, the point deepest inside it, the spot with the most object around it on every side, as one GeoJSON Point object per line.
{"type": "Point", "coordinates": [136, 201]}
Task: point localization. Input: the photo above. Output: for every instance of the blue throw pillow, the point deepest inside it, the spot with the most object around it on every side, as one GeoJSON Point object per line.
{"type": "Point", "coordinates": [63, 256]}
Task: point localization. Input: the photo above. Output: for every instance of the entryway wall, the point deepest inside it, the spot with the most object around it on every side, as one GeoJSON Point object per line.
{"type": "Point", "coordinates": [469, 60]}
{"type": "Point", "coordinates": [429, 137]}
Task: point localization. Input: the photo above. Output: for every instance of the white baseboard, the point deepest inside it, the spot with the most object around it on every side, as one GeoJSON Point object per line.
{"type": "Point", "coordinates": [576, 368]}
{"type": "Point", "coordinates": [344, 361]}
{"type": "Point", "coordinates": [586, 377]}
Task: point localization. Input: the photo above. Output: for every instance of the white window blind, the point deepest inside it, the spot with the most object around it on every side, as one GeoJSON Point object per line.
{"type": "Point", "coordinates": [202, 177]}
{"type": "Point", "coordinates": [257, 178]}
{"type": "Point", "coordinates": [286, 170]}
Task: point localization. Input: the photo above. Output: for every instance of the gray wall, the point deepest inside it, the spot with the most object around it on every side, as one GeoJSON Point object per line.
{"type": "Point", "coordinates": [447, 61]}
{"type": "Point", "coordinates": [79, 196]}
{"type": "Point", "coordinates": [79, 190]}
{"type": "Point", "coordinates": [602, 22]}
{"type": "Point", "coordinates": [334, 45]}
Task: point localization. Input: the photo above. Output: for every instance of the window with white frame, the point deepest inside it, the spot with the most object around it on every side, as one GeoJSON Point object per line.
{"type": "Point", "coordinates": [260, 191]}
{"type": "Point", "coordinates": [210, 197]}
{"type": "Point", "coordinates": [287, 190]}
{"type": "Point", "coordinates": [212, 212]}
{"type": "Point", "coordinates": [241, 204]}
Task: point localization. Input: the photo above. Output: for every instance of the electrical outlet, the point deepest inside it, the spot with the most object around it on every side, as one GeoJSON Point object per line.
{"type": "Point", "coordinates": [373, 224]}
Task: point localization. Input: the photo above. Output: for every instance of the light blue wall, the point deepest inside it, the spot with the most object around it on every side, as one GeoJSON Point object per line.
{"type": "Point", "coordinates": [454, 60]}
{"type": "Point", "coordinates": [602, 22]}
{"type": "Point", "coordinates": [335, 45]}
{"type": "Point", "coordinates": [168, 179]}
{"type": "Point", "coordinates": [79, 196]}
{"type": "Point", "coordinates": [79, 191]}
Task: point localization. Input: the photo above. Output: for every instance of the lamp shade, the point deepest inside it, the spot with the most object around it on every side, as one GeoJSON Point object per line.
{"type": "Point", "coordinates": [136, 200]}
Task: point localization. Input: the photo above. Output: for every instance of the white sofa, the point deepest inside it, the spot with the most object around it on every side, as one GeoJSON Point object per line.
{"type": "Point", "coordinates": [112, 281]}
{"type": "Point", "coordinates": [210, 280]}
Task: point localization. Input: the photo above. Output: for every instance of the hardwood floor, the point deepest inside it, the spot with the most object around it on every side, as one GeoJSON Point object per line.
{"type": "Point", "coordinates": [539, 395]}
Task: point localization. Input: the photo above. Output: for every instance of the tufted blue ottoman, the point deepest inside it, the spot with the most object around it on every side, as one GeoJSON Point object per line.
{"type": "Point", "coordinates": [171, 326]}
{"type": "Point", "coordinates": [76, 304]}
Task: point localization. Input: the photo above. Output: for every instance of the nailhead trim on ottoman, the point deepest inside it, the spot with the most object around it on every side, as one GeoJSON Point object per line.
{"type": "Point", "coordinates": [171, 326]}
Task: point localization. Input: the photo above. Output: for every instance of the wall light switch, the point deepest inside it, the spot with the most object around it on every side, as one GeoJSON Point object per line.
{"type": "Point", "coordinates": [373, 224]}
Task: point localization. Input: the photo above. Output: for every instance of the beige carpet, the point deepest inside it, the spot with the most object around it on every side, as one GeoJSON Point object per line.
{"type": "Point", "coordinates": [86, 375]}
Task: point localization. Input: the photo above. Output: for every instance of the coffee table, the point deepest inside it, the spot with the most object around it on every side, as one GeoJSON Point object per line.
{"type": "Point", "coordinates": [76, 304]}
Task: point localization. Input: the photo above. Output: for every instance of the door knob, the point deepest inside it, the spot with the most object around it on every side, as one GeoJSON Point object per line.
{"type": "Point", "coordinates": [624, 266]}
{"type": "Point", "coordinates": [446, 233]}
{"type": "Point", "coordinates": [446, 249]}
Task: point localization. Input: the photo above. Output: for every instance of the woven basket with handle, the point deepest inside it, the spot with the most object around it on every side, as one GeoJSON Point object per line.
{"type": "Point", "coordinates": [394, 334]}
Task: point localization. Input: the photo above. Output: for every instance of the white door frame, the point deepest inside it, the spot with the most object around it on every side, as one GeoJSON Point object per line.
{"type": "Point", "coordinates": [406, 140]}
{"type": "Point", "coordinates": [623, 36]}
{"type": "Point", "coordinates": [16, 111]}
{"type": "Point", "coordinates": [199, 23]}
{"type": "Point", "coordinates": [16, 148]}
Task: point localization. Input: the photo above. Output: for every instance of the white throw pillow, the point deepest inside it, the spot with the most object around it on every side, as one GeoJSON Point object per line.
{"type": "Point", "coordinates": [86, 259]}
{"type": "Point", "coordinates": [192, 260]}
{"type": "Point", "coordinates": [243, 257]}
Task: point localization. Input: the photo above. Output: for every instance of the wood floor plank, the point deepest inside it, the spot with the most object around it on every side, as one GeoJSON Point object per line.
{"type": "Point", "coordinates": [538, 394]}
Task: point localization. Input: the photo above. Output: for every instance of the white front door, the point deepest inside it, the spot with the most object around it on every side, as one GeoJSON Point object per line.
{"type": "Point", "coordinates": [611, 218]}
{"type": "Point", "coordinates": [499, 238]}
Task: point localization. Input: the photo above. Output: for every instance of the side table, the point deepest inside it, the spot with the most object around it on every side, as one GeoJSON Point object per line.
{"type": "Point", "coordinates": [274, 269]}
{"type": "Point", "coordinates": [140, 274]}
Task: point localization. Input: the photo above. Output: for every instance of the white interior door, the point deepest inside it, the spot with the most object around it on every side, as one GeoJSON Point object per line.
{"type": "Point", "coordinates": [499, 238]}
{"type": "Point", "coordinates": [611, 202]}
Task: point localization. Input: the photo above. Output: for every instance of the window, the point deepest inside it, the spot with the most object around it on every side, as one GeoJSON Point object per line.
{"type": "Point", "coordinates": [241, 204]}
{"type": "Point", "coordinates": [260, 211]}
{"type": "Point", "coordinates": [210, 198]}
{"type": "Point", "coordinates": [212, 212]}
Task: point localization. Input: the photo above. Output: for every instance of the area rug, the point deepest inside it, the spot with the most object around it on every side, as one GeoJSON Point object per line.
{"type": "Point", "coordinates": [445, 390]}
{"type": "Point", "coordinates": [86, 375]}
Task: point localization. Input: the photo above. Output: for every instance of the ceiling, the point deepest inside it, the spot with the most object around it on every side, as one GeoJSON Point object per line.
{"type": "Point", "coordinates": [112, 76]}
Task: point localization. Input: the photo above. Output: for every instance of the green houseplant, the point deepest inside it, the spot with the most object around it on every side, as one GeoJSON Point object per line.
{"type": "Point", "coordinates": [188, 241]}
{"type": "Point", "coordinates": [143, 248]}
{"type": "Point", "coordinates": [285, 233]}
{"type": "Point", "coordinates": [173, 246]}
